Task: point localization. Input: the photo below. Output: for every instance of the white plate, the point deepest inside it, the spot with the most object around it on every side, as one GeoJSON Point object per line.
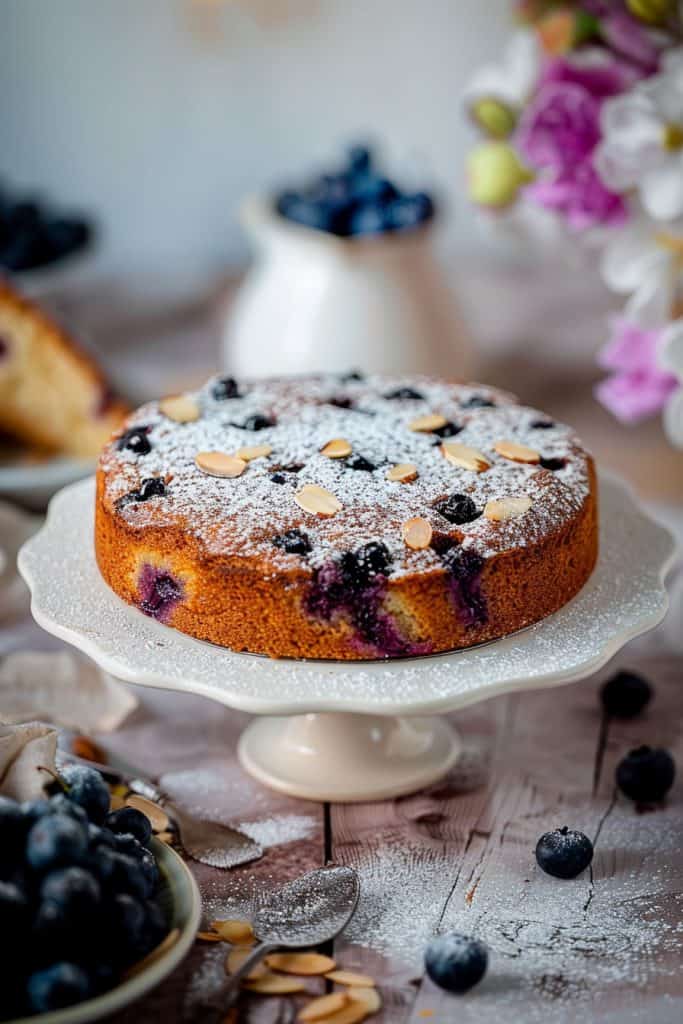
{"type": "Point", "coordinates": [180, 899]}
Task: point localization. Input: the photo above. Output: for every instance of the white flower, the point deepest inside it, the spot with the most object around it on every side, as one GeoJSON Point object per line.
{"type": "Point", "coordinates": [642, 145]}
{"type": "Point", "coordinates": [497, 92]}
{"type": "Point", "coordinates": [645, 260]}
{"type": "Point", "coordinates": [671, 359]}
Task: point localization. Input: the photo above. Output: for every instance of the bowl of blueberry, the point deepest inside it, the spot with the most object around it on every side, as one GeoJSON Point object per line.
{"type": "Point", "coordinates": [345, 275]}
{"type": "Point", "coordinates": [95, 909]}
{"type": "Point", "coordinates": [40, 243]}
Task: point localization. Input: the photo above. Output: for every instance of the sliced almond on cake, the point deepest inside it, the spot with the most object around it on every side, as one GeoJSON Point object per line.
{"type": "Point", "coordinates": [517, 452]}
{"type": "Point", "coordinates": [337, 448]}
{"type": "Point", "coordinates": [317, 501]}
{"type": "Point", "coordinates": [404, 473]}
{"type": "Point", "coordinates": [507, 508]}
{"type": "Point", "coordinates": [465, 457]}
{"type": "Point", "coordinates": [417, 533]}
{"type": "Point", "coordinates": [428, 424]}
{"type": "Point", "coordinates": [253, 451]}
{"type": "Point", "coordinates": [220, 464]}
{"type": "Point", "coordinates": [180, 408]}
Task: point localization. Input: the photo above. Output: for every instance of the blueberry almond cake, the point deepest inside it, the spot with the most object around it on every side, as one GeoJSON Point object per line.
{"type": "Point", "coordinates": [52, 394]}
{"type": "Point", "coordinates": [345, 517]}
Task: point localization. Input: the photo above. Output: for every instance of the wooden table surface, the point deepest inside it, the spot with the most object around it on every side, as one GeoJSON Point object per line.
{"type": "Point", "coordinates": [604, 947]}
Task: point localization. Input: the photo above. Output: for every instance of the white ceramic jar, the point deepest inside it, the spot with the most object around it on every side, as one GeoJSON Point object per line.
{"type": "Point", "coordinates": [315, 302]}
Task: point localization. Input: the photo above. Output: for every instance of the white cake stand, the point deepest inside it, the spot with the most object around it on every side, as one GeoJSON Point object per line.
{"type": "Point", "coordinates": [349, 731]}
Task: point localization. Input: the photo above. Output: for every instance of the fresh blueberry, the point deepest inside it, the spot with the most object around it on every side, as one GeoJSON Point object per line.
{"type": "Point", "coordinates": [13, 826]}
{"type": "Point", "coordinates": [340, 401]}
{"type": "Point", "coordinates": [456, 962]}
{"type": "Point", "coordinates": [458, 509]}
{"type": "Point", "coordinates": [256, 422]}
{"type": "Point", "coordinates": [373, 191]}
{"type": "Point", "coordinates": [564, 853]}
{"type": "Point", "coordinates": [278, 478]}
{"type": "Point", "coordinates": [135, 441]}
{"type": "Point", "coordinates": [74, 892]}
{"type": "Point", "coordinates": [224, 388]}
{"type": "Point", "coordinates": [86, 787]}
{"type": "Point", "coordinates": [542, 424]}
{"type": "Point", "coordinates": [351, 376]}
{"type": "Point", "coordinates": [294, 542]}
{"type": "Point", "coordinates": [552, 463]}
{"type": "Point", "coordinates": [625, 695]}
{"type": "Point", "coordinates": [32, 810]}
{"type": "Point", "coordinates": [477, 402]}
{"type": "Point", "coordinates": [126, 843]}
{"type": "Point", "coordinates": [407, 212]}
{"type": "Point", "coordinates": [310, 213]}
{"type": "Point", "coordinates": [404, 393]}
{"type": "Point", "coordinates": [360, 567]}
{"type": "Point", "coordinates": [60, 985]}
{"type": "Point", "coordinates": [55, 841]}
{"type": "Point", "coordinates": [151, 487]}
{"type": "Point", "coordinates": [449, 429]}
{"type": "Point", "coordinates": [14, 909]}
{"type": "Point", "coordinates": [100, 836]}
{"type": "Point", "coordinates": [128, 875]}
{"type": "Point", "coordinates": [368, 219]}
{"type": "Point", "coordinates": [360, 160]}
{"type": "Point", "coordinates": [150, 870]}
{"type": "Point", "coordinates": [356, 461]}
{"type": "Point", "coordinates": [126, 923]}
{"type": "Point", "coordinates": [646, 775]}
{"type": "Point", "coordinates": [61, 804]}
{"type": "Point", "coordinates": [130, 820]}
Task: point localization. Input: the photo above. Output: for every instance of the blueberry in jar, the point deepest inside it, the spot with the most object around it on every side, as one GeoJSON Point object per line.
{"type": "Point", "coordinates": [564, 853]}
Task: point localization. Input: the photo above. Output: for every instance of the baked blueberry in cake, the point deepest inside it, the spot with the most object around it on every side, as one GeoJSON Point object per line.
{"type": "Point", "coordinates": [345, 517]}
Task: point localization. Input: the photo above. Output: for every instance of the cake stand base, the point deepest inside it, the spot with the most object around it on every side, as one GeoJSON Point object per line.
{"type": "Point", "coordinates": [348, 757]}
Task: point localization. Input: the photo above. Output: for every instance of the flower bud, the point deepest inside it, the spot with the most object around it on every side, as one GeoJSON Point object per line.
{"type": "Point", "coordinates": [495, 174]}
{"type": "Point", "coordinates": [495, 118]}
{"type": "Point", "coordinates": [564, 29]}
{"type": "Point", "coordinates": [652, 12]}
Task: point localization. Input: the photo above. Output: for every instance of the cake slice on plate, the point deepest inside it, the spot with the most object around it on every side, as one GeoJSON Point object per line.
{"type": "Point", "coordinates": [52, 394]}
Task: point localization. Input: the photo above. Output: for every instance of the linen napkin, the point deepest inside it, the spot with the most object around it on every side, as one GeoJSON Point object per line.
{"type": "Point", "coordinates": [24, 749]}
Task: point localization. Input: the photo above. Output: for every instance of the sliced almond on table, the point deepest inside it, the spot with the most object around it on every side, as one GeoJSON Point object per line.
{"type": "Point", "coordinates": [164, 837]}
{"type": "Point", "coordinates": [352, 1013]}
{"type": "Point", "coordinates": [370, 998]}
{"type": "Point", "coordinates": [428, 424]}
{"type": "Point", "coordinates": [417, 533]}
{"type": "Point", "coordinates": [317, 500]}
{"type": "Point", "coordinates": [337, 448]}
{"type": "Point", "coordinates": [300, 963]}
{"type": "Point", "coordinates": [351, 978]}
{"type": "Point", "coordinates": [322, 1007]}
{"type": "Point", "coordinates": [274, 985]}
{"type": "Point", "coordinates": [253, 451]}
{"type": "Point", "coordinates": [465, 457]}
{"type": "Point", "coordinates": [507, 508]}
{"type": "Point", "coordinates": [220, 464]}
{"type": "Point", "coordinates": [180, 408]}
{"type": "Point", "coordinates": [154, 955]}
{"type": "Point", "coordinates": [158, 817]}
{"type": "Point", "coordinates": [240, 933]}
{"type": "Point", "coordinates": [210, 937]}
{"type": "Point", "coordinates": [236, 958]}
{"type": "Point", "coordinates": [403, 473]}
{"type": "Point", "coordinates": [517, 452]}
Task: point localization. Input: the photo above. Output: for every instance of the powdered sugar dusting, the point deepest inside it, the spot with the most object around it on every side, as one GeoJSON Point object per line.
{"type": "Point", "coordinates": [240, 517]}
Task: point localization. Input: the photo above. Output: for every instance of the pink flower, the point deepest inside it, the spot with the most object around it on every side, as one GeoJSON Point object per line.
{"type": "Point", "coordinates": [599, 72]}
{"type": "Point", "coordinates": [637, 388]}
{"type": "Point", "coordinates": [558, 134]}
{"type": "Point", "coordinates": [632, 39]}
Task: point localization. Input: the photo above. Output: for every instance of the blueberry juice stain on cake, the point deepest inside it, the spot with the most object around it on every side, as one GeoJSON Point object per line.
{"type": "Point", "coordinates": [354, 587]}
{"type": "Point", "coordinates": [464, 577]}
{"type": "Point", "coordinates": [158, 592]}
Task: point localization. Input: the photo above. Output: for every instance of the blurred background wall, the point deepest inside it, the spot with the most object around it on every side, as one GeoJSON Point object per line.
{"type": "Point", "coordinates": [159, 115]}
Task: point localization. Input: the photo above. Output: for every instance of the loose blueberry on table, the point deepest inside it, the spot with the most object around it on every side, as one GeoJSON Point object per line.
{"type": "Point", "coordinates": [77, 895]}
{"type": "Point", "coordinates": [625, 695]}
{"type": "Point", "coordinates": [646, 775]}
{"type": "Point", "coordinates": [564, 853]}
{"type": "Point", "coordinates": [456, 962]}
{"type": "Point", "coordinates": [356, 201]}
{"type": "Point", "coordinates": [33, 235]}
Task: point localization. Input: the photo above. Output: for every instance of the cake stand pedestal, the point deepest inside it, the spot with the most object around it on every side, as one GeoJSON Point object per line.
{"type": "Point", "coordinates": [349, 731]}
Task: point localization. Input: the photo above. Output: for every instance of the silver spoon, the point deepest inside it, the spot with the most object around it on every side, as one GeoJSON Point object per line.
{"type": "Point", "coordinates": [312, 909]}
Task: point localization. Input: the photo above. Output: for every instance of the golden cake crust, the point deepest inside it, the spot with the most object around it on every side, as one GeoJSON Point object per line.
{"type": "Point", "coordinates": [206, 556]}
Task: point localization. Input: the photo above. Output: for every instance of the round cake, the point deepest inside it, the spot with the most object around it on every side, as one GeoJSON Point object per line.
{"type": "Point", "coordinates": [345, 517]}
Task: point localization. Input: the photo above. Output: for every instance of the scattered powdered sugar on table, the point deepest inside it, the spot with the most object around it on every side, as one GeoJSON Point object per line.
{"type": "Point", "coordinates": [241, 516]}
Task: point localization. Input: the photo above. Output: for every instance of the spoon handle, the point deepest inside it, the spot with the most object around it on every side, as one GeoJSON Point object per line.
{"type": "Point", "coordinates": [232, 986]}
